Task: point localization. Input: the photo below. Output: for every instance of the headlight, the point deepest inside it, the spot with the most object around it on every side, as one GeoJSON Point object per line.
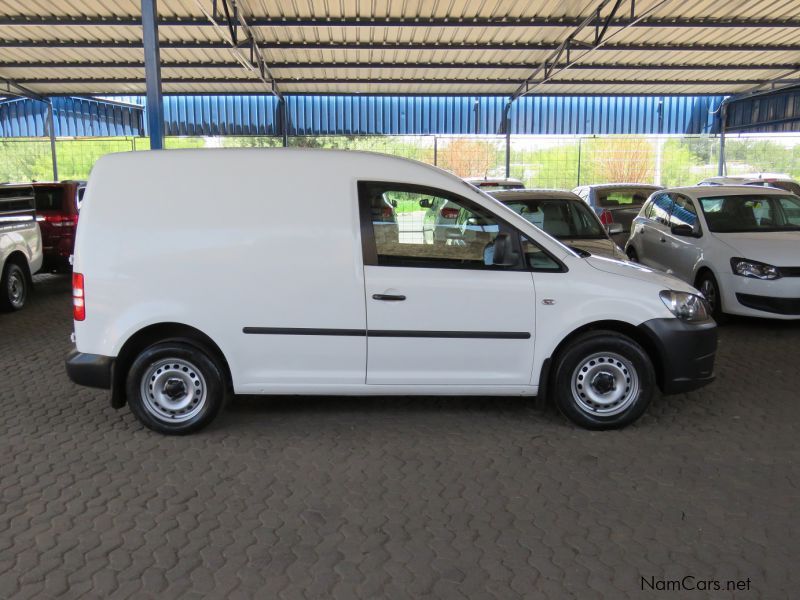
{"type": "Point", "coordinates": [753, 268]}
{"type": "Point", "coordinates": [685, 306]}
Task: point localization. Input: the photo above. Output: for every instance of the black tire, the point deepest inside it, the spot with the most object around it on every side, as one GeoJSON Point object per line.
{"type": "Point", "coordinates": [181, 364]}
{"type": "Point", "coordinates": [708, 286]}
{"type": "Point", "coordinates": [620, 354]}
{"type": "Point", "coordinates": [14, 287]}
{"type": "Point", "coordinates": [630, 252]}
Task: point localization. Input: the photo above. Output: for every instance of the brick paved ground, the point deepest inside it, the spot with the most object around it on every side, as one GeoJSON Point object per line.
{"type": "Point", "coordinates": [394, 498]}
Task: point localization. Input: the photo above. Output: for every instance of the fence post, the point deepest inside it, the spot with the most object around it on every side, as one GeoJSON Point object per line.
{"type": "Point", "coordinates": [579, 163]}
{"type": "Point", "coordinates": [51, 127]}
{"type": "Point", "coordinates": [435, 151]}
{"type": "Point", "coordinates": [723, 118]}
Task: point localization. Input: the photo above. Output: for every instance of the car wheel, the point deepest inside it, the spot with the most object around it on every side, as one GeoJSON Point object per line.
{"type": "Point", "coordinates": [13, 287]}
{"type": "Point", "coordinates": [175, 388]}
{"type": "Point", "coordinates": [603, 380]}
{"type": "Point", "coordinates": [708, 286]}
{"type": "Point", "coordinates": [630, 251]}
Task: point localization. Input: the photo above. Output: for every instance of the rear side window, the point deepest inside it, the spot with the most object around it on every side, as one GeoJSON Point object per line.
{"type": "Point", "coordinates": [683, 212]}
{"type": "Point", "coordinates": [662, 207]}
{"type": "Point", "coordinates": [622, 197]}
{"type": "Point", "coordinates": [49, 199]}
{"type": "Point", "coordinates": [79, 199]}
{"type": "Point", "coordinates": [16, 199]}
{"type": "Point", "coordinates": [454, 234]}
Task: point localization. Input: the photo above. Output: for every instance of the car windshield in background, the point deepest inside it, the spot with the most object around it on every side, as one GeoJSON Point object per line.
{"type": "Point", "coordinates": [566, 219]}
{"type": "Point", "coordinates": [622, 197]}
{"type": "Point", "coordinates": [789, 186]}
{"type": "Point", "coordinates": [49, 198]}
{"type": "Point", "coordinates": [490, 185]}
{"type": "Point", "coordinates": [730, 214]}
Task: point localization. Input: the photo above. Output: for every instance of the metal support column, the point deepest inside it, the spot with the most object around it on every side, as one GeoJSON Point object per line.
{"type": "Point", "coordinates": [507, 131]}
{"type": "Point", "coordinates": [723, 116]}
{"type": "Point", "coordinates": [284, 120]}
{"type": "Point", "coordinates": [52, 131]}
{"type": "Point", "coordinates": [152, 72]}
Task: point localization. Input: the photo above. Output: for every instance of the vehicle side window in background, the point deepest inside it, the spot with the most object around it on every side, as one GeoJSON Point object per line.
{"type": "Point", "coordinates": [16, 199]}
{"type": "Point", "coordinates": [648, 210]}
{"type": "Point", "coordinates": [791, 210]}
{"type": "Point", "coordinates": [537, 259]}
{"type": "Point", "coordinates": [459, 235]}
{"type": "Point", "coordinates": [79, 200]}
{"type": "Point", "coordinates": [683, 212]}
{"type": "Point", "coordinates": [662, 207]}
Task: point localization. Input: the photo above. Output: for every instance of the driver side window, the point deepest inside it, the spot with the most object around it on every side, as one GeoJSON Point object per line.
{"type": "Point", "coordinates": [418, 227]}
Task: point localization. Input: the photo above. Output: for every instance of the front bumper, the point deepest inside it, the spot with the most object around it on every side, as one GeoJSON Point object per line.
{"type": "Point", "coordinates": [91, 370]}
{"type": "Point", "coordinates": [686, 352]}
{"type": "Point", "coordinates": [772, 299]}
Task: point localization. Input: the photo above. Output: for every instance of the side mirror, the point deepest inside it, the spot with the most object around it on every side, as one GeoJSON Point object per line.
{"type": "Point", "coordinates": [425, 203]}
{"type": "Point", "coordinates": [614, 228]}
{"type": "Point", "coordinates": [504, 254]}
{"type": "Point", "coordinates": [684, 230]}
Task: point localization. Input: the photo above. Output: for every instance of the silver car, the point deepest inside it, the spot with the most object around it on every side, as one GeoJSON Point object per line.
{"type": "Point", "coordinates": [567, 218]}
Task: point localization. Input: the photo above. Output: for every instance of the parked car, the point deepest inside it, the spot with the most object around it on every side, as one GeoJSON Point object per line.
{"type": "Point", "coordinates": [495, 183]}
{"type": "Point", "coordinates": [566, 217]}
{"type": "Point", "coordinates": [20, 245]}
{"type": "Point", "coordinates": [288, 289]}
{"type": "Point", "coordinates": [617, 203]}
{"type": "Point", "coordinates": [783, 182]}
{"type": "Point", "coordinates": [739, 246]}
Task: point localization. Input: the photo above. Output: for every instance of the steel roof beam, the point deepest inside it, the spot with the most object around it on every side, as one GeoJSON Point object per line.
{"type": "Point", "coordinates": [10, 87]}
{"type": "Point", "coordinates": [551, 66]}
{"type": "Point", "coordinates": [479, 22]}
{"type": "Point", "coordinates": [456, 46]}
{"type": "Point", "coordinates": [236, 22]}
{"type": "Point", "coordinates": [289, 80]}
{"type": "Point", "coordinates": [402, 65]}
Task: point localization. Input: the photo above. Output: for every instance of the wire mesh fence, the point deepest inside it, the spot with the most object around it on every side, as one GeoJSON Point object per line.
{"type": "Point", "coordinates": [539, 161]}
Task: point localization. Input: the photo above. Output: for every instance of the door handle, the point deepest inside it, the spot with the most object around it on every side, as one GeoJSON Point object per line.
{"type": "Point", "coordinates": [389, 297]}
{"type": "Point", "coordinates": [663, 240]}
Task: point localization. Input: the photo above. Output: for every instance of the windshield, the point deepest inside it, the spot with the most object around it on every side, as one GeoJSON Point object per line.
{"type": "Point", "coordinates": [623, 197]}
{"type": "Point", "coordinates": [789, 186]}
{"type": "Point", "coordinates": [564, 219]}
{"type": "Point", "coordinates": [496, 186]}
{"type": "Point", "coordinates": [729, 214]}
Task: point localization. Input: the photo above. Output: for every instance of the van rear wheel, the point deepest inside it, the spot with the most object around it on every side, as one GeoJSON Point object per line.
{"type": "Point", "coordinates": [13, 287]}
{"type": "Point", "coordinates": [175, 388]}
{"type": "Point", "coordinates": [603, 380]}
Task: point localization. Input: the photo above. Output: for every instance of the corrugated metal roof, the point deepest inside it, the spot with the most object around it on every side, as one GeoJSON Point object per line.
{"type": "Point", "coordinates": [404, 46]}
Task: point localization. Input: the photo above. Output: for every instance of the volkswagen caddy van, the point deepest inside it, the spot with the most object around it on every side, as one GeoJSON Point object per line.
{"type": "Point", "coordinates": [201, 273]}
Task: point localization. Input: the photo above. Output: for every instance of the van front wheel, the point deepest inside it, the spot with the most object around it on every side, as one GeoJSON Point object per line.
{"type": "Point", "coordinates": [603, 380]}
{"type": "Point", "coordinates": [175, 388]}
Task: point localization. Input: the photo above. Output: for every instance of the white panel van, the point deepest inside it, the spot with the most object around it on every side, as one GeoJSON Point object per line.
{"type": "Point", "coordinates": [200, 273]}
{"type": "Point", "coordinates": [20, 245]}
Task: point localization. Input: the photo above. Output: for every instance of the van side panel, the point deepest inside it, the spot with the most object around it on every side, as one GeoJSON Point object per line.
{"type": "Point", "coordinates": [223, 242]}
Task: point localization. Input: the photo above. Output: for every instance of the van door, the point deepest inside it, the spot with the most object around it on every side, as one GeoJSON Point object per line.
{"type": "Point", "coordinates": [683, 252]}
{"type": "Point", "coordinates": [438, 311]}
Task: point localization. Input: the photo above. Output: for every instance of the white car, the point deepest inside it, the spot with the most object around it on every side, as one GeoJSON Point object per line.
{"type": "Point", "coordinates": [567, 218]}
{"type": "Point", "coordinates": [20, 245]}
{"type": "Point", "coordinates": [209, 282]}
{"type": "Point", "coordinates": [740, 246]}
{"type": "Point", "coordinates": [783, 182]}
{"type": "Point", "coordinates": [491, 184]}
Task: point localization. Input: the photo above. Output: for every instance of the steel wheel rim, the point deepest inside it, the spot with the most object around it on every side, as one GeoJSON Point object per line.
{"type": "Point", "coordinates": [174, 390]}
{"type": "Point", "coordinates": [709, 293]}
{"type": "Point", "coordinates": [16, 289]}
{"type": "Point", "coordinates": [604, 384]}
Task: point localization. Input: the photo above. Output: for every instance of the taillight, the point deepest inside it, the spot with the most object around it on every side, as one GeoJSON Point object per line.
{"type": "Point", "coordinates": [606, 218]}
{"type": "Point", "coordinates": [449, 213]}
{"type": "Point", "coordinates": [78, 298]}
{"type": "Point", "coordinates": [61, 220]}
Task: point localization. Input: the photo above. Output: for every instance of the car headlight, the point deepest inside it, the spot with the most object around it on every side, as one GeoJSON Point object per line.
{"type": "Point", "coordinates": [753, 268]}
{"type": "Point", "coordinates": [685, 306]}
